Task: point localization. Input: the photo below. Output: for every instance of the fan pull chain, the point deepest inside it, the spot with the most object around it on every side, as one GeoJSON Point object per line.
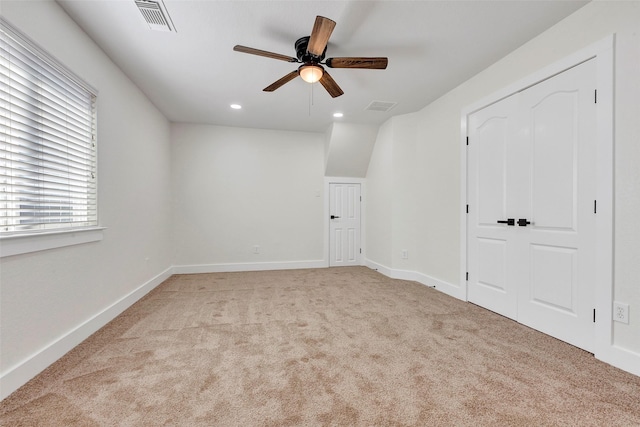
{"type": "Point", "coordinates": [311, 97]}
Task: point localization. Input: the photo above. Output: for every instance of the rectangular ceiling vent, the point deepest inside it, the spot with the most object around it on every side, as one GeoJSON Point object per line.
{"type": "Point", "coordinates": [155, 14]}
{"type": "Point", "coordinates": [381, 106]}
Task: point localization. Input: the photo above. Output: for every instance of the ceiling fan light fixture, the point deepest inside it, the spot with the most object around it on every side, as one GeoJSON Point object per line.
{"type": "Point", "coordinates": [311, 73]}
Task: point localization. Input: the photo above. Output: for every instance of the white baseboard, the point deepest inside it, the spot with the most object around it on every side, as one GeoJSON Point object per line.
{"type": "Point", "coordinates": [258, 266]}
{"type": "Point", "coordinates": [432, 282]}
{"type": "Point", "coordinates": [622, 358]}
{"type": "Point", "coordinates": [21, 373]}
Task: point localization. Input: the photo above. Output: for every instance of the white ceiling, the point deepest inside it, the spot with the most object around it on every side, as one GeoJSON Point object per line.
{"type": "Point", "coordinates": [193, 75]}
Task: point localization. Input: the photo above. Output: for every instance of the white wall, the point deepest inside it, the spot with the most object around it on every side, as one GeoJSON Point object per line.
{"type": "Point", "coordinates": [378, 206]}
{"type": "Point", "coordinates": [430, 173]}
{"type": "Point", "coordinates": [235, 188]}
{"type": "Point", "coordinates": [405, 222]}
{"type": "Point", "coordinates": [46, 297]}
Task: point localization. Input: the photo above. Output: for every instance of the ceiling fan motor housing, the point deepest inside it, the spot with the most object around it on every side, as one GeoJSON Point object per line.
{"type": "Point", "coordinates": [302, 54]}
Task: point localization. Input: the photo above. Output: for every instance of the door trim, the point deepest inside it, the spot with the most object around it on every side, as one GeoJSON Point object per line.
{"type": "Point", "coordinates": [326, 213]}
{"type": "Point", "coordinates": [603, 52]}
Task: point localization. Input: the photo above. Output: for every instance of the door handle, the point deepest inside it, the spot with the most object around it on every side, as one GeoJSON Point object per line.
{"type": "Point", "coordinates": [509, 221]}
{"type": "Point", "coordinates": [522, 222]}
{"type": "Point", "coordinates": [334, 217]}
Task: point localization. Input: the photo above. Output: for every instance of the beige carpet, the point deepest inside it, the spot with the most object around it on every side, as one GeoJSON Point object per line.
{"type": "Point", "coordinates": [342, 347]}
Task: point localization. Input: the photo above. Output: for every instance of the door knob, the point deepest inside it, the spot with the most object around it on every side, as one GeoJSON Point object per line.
{"type": "Point", "coordinates": [522, 222]}
{"type": "Point", "coordinates": [510, 221]}
{"type": "Point", "coordinates": [334, 217]}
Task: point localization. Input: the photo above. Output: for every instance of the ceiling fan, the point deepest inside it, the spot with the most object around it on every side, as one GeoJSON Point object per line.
{"type": "Point", "coordinates": [310, 52]}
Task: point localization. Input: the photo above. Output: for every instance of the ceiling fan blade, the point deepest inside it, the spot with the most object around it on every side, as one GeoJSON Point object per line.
{"type": "Point", "coordinates": [252, 51]}
{"type": "Point", "coordinates": [330, 85]}
{"type": "Point", "coordinates": [354, 62]}
{"type": "Point", "coordinates": [322, 29]}
{"type": "Point", "coordinates": [286, 79]}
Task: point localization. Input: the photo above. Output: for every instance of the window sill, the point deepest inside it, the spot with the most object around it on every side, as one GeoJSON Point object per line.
{"type": "Point", "coordinates": [26, 243]}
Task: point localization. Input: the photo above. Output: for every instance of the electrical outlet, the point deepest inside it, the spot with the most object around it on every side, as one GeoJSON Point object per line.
{"type": "Point", "coordinates": [405, 254]}
{"type": "Point", "coordinates": [256, 249]}
{"type": "Point", "coordinates": [621, 312]}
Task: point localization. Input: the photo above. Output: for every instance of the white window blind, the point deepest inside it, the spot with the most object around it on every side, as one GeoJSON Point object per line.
{"type": "Point", "coordinates": [47, 141]}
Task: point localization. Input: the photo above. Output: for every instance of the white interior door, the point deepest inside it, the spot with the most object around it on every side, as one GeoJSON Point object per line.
{"type": "Point", "coordinates": [344, 224]}
{"type": "Point", "coordinates": [532, 164]}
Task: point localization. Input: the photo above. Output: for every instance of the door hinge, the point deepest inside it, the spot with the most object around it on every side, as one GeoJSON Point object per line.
{"type": "Point", "coordinates": [595, 96]}
{"type": "Point", "coordinates": [467, 208]}
{"type": "Point", "coordinates": [360, 198]}
{"type": "Point", "coordinates": [360, 250]}
{"type": "Point", "coordinates": [467, 140]}
{"type": "Point", "coordinates": [594, 315]}
{"type": "Point", "coordinates": [595, 206]}
{"type": "Point", "coordinates": [467, 276]}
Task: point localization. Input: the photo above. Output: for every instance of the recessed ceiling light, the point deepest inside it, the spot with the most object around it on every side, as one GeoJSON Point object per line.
{"type": "Point", "coordinates": [338, 114]}
{"type": "Point", "coordinates": [236, 106]}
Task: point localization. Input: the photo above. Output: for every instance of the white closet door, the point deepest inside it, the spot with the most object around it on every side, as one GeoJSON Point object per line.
{"type": "Point", "coordinates": [532, 163]}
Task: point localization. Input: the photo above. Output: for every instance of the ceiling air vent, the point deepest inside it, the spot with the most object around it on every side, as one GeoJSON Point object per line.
{"type": "Point", "coordinates": [381, 106]}
{"type": "Point", "coordinates": [155, 14]}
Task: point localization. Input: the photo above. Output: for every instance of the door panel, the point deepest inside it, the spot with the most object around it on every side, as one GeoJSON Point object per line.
{"type": "Point", "coordinates": [351, 245]}
{"type": "Point", "coordinates": [492, 268]}
{"type": "Point", "coordinates": [491, 186]}
{"type": "Point", "coordinates": [554, 161]}
{"type": "Point", "coordinates": [554, 280]}
{"type": "Point", "coordinates": [344, 224]}
{"type": "Point", "coordinates": [337, 246]}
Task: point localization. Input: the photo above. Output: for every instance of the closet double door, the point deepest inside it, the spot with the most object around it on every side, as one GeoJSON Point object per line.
{"type": "Point", "coordinates": [531, 193]}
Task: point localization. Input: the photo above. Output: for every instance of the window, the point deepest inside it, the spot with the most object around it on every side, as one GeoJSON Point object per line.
{"type": "Point", "coordinates": [47, 142]}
